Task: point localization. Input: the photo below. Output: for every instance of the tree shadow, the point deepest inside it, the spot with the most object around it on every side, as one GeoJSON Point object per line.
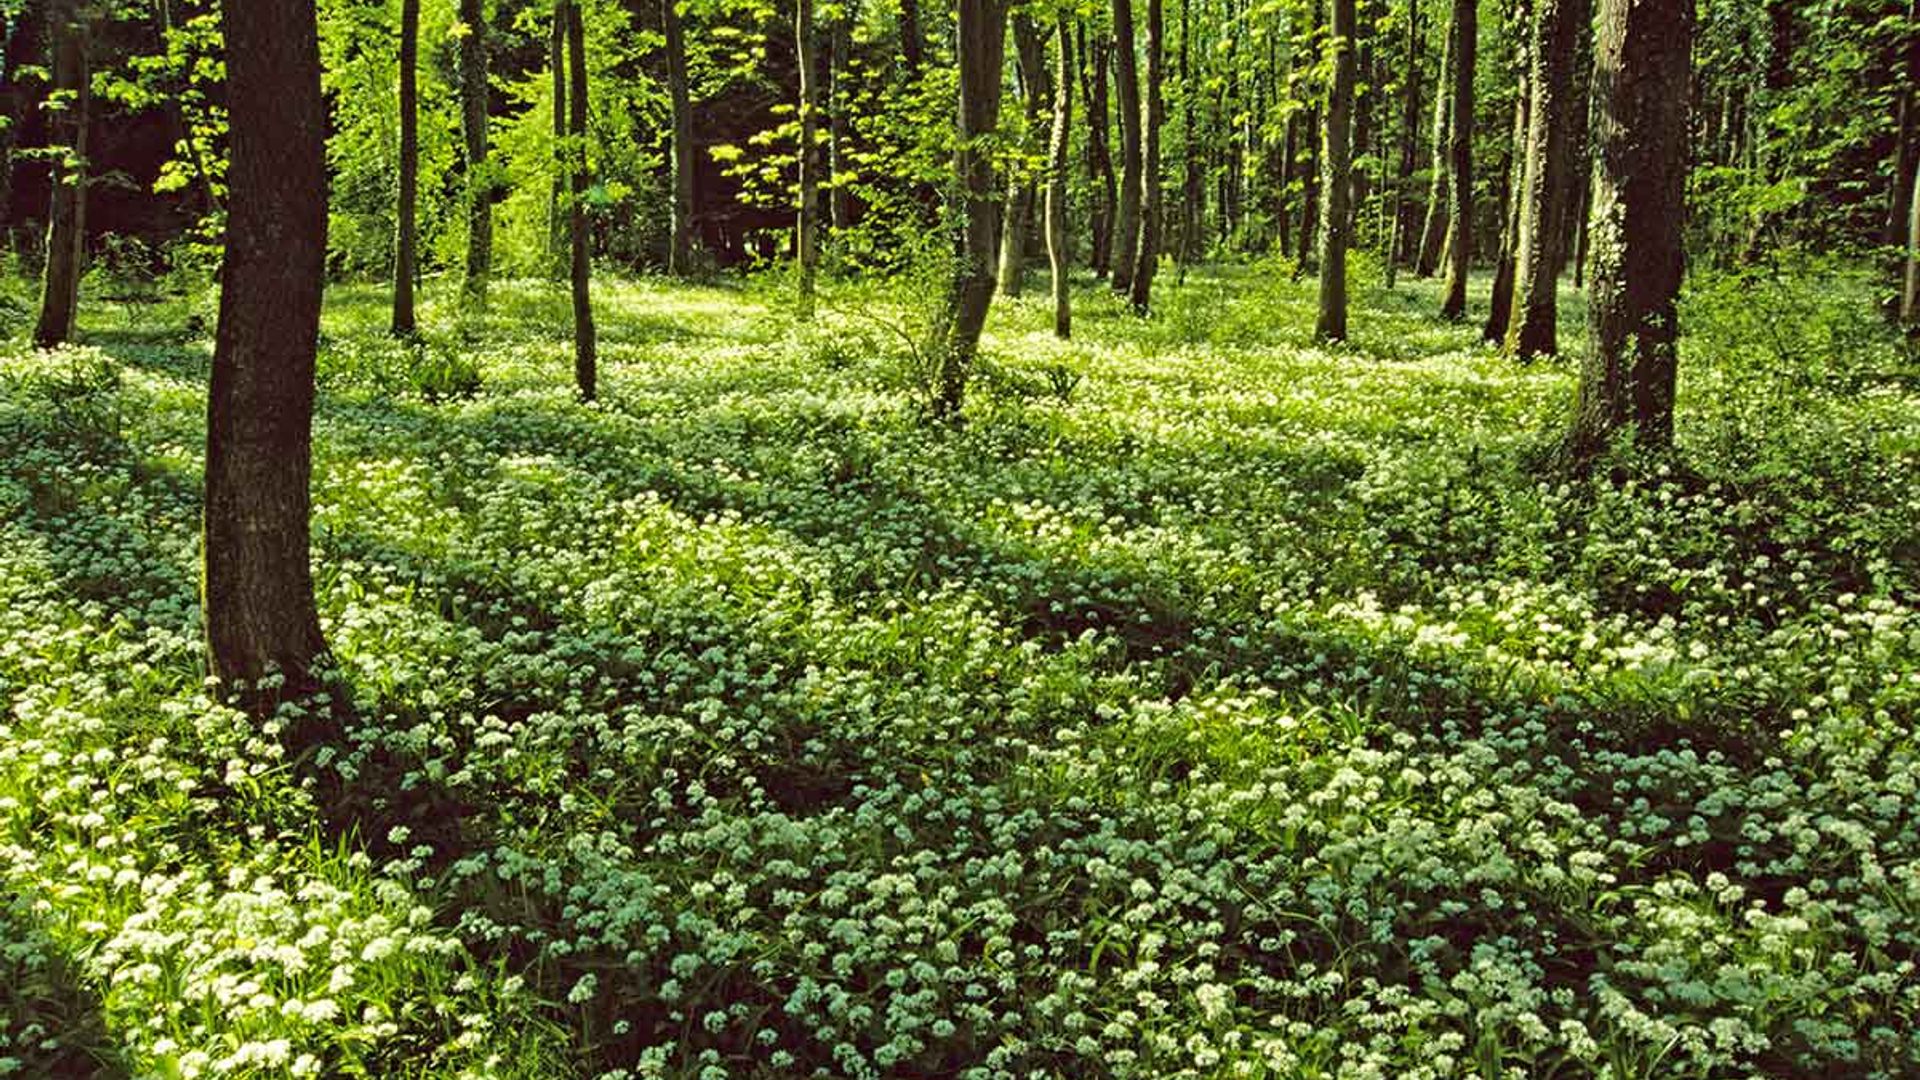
{"type": "Point", "coordinates": [52, 1020]}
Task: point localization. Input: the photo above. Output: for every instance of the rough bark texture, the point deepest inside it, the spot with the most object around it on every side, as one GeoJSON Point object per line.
{"type": "Point", "coordinates": [1910, 298]}
{"type": "Point", "coordinates": [1100, 177]}
{"type": "Point", "coordinates": [1152, 202]}
{"type": "Point", "coordinates": [67, 212]}
{"type": "Point", "coordinates": [406, 230]}
{"type": "Point", "coordinates": [680, 245]}
{"type": "Point", "coordinates": [586, 367]}
{"type": "Point", "coordinates": [1036, 88]}
{"type": "Point", "coordinates": [1126, 85]}
{"type": "Point", "coordinates": [980, 39]}
{"type": "Point", "coordinates": [481, 187]}
{"type": "Point", "coordinates": [1337, 178]}
{"type": "Point", "coordinates": [1466, 32]}
{"type": "Point", "coordinates": [1500, 299]}
{"type": "Point", "coordinates": [1640, 87]}
{"type": "Point", "coordinates": [1059, 254]}
{"type": "Point", "coordinates": [807, 225]}
{"type": "Point", "coordinates": [1402, 222]}
{"type": "Point", "coordinates": [1439, 191]}
{"type": "Point", "coordinates": [257, 584]}
{"type": "Point", "coordinates": [1550, 177]}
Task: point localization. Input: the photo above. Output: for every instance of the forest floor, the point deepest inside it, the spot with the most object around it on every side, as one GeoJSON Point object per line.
{"type": "Point", "coordinates": [1212, 704]}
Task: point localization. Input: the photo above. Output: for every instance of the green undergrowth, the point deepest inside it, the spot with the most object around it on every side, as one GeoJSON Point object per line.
{"type": "Point", "coordinates": [1212, 703]}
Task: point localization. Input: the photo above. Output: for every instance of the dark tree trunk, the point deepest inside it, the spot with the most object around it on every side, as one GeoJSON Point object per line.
{"type": "Point", "coordinates": [67, 209]}
{"type": "Point", "coordinates": [1906, 151]}
{"type": "Point", "coordinates": [557, 217]}
{"type": "Point", "coordinates": [1550, 177]}
{"type": "Point", "coordinates": [1500, 300]}
{"type": "Point", "coordinates": [1283, 221]}
{"type": "Point", "coordinates": [1310, 201]}
{"type": "Point", "coordinates": [1337, 181]}
{"type": "Point", "coordinates": [1126, 222]}
{"type": "Point", "coordinates": [912, 47]}
{"type": "Point", "coordinates": [1193, 182]}
{"type": "Point", "coordinates": [586, 365]}
{"type": "Point", "coordinates": [1059, 255]}
{"type": "Point", "coordinates": [257, 585]}
{"type": "Point", "coordinates": [1641, 71]}
{"type": "Point", "coordinates": [1100, 179]}
{"type": "Point", "coordinates": [981, 47]}
{"type": "Point", "coordinates": [1579, 149]}
{"type": "Point", "coordinates": [406, 231]}
{"type": "Point", "coordinates": [1152, 199]}
{"type": "Point", "coordinates": [1402, 222]}
{"type": "Point", "coordinates": [806, 227]}
{"type": "Point", "coordinates": [680, 246]}
{"type": "Point", "coordinates": [839, 102]}
{"type": "Point", "coordinates": [1460, 161]}
{"type": "Point", "coordinates": [1439, 190]}
{"type": "Point", "coordinates": [481, 186]}
{"type": "Point", "coordinates": [22, 46]}
{"type": "Point", "coordinates": [1036, 88]}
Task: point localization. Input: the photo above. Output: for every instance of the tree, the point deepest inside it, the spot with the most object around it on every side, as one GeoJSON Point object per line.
{"type": "Point", "coordinates": [406, 231]}
{"type": "Point", "coordinates": [680, 247]}
{"type": "Point", "coordinates": [1126, 86]}
{"type": "Point", "coordinates": [1336, 179]}
{"type": "Point", "coordinates": [1059, 255]}
{"type": "Point", "coordinates": [585, 344]}
{"type": "Point", "coordinates": [980, 44]}
{"type": "Point", "coordinates": [257, 583]}
{"type": "Point", "coordinates": [1030, 54]}
{"type": "Point", "coordinates": [1500, 303]}
{"type": "Point", "coordinates": [1152, 202]}
{"type": "Point", "coordinates": [807, 226]}
{"type": "Point", "coordinates": [1641, 69]}
{"type": "Point", "coordinates": [1094, 51]}
{"type": "Point", "coordinates": [1910, 298]}
{"type": "Point", "coordinates": [1460, 161]}
{"type": "Point", "coordinates": [558, 219]}
{"type": "Point", "coordinates": [473, 127]}
{"type": "Point", "coordinates": [1400, 221]}
{"type": "Point", "coordinates": [67, 212]}
{"type": "Point", "coordinates": [839, 103]}
{"type": "Point", "coordinates": [1550, 179]}
{"type": "Point", "coordinates": [1439, 193]}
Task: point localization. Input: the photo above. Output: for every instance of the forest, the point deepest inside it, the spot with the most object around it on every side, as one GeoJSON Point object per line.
{"type": "Point", "coordinates": [1023, 538]}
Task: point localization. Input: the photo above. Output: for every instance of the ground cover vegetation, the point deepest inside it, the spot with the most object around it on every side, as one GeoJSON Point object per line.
{"type": "Point", "coordinates": [563, 538]}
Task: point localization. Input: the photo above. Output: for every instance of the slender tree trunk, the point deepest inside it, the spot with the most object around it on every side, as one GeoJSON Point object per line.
{"type": "Point", "coordinates": [1152, 198]}
{"type": "Point", "coordinates": [912, 47]}
{"type": "Point", "coordinates": [1193, 183]}
{"type": "Point", "coordinates": [1095, 51]}
{"type": "Point", "coordinates": [1409, 146]}
{"type": "Point", "coordinates": [557, 216]}
{"type": "Point", "coordinates": [1126, 222]}
{"type": "Point", "coordinates": [1059, 143]}
{"type": "Point", "coordinates": [406, 231]}
{"type": "Point", "coordinates": [1910, 298]}
{"type": "Point", "coordinates": [1579, 150]}
{"type": "Point", "coordinates": [839, 102]}
{"type": "Point", "coordinates": [1500, 301]}
{"type": "Point", "coordinates": [1337, 178]}
{"type": "Point", "coordinates": [1030, 54]}
{"type": "Point", "coordinates": [680, 247]}
{"type": "Point", "coordinates": [1439, 187]}
{"type": "Point", "coordinates": [1460, 161]}
{"type": "Point", "coordinates": [586, 351]}
{"type": "Point", "coordinates": [807, 226]}
{"type": "Point", "coordinates": [1906, 151]}
{"type": "Point", "coordinates": [1642, 66]}
{"type": "Point", "coordinates": [257, 582]}
{"type": "Point", "coordinates": [473, 126]}
{"type": "Point", "coordinates": [980, 44]}
{"type": "Point", "coordinates": [1310, 223]}
{"type": "Point", "coordinates": [1550, 178]}
{"type": "Point", "coordinates": [67, 210]}
{"type": "Point", "coordinates": [1283, 225]}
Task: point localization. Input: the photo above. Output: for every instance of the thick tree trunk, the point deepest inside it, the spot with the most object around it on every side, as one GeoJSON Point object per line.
{"type": "Point", "coordinates": [806, 227]}
{"type": "Point", "coordinates": [481, 187]}
{"type": "Point", "coordinates": [1152, 199]}
{"type": "Point", "coordinates": [257, 585]}
{"type": "Point", "coordinates": [586, 349]}
{"type": "Point", "coordinates": [1641, 72]}
{"type": "Point", "coordinates": [1500, 300]}
{"type": "Point", "coordinates": [1126, 80]}
{"type": "Point", "coordinates": [981, 47]}
{"type": "Point", "coordinates": [1550, 177]}
{"type": "Point", "coordinates": [1036, 88]}
{"type": "Point", "coordinates": [67, 212]}
{"type": "Point", "coordinates": [1059, 254]}
{"type": "Point", "coordinates": [557, 217]}
{"type": "Point", "coordinates": [406, 230]}
{"type": "Point", "coordinates": [1100, 179]}
{"type": "Point", "coordinates": [1402, 223]}
{"type": "Point", "coordinates": [680, 245]}
{"type": "Point", "coordinates": [1439, 190]}
{"type": "Point", "coordinates": [1337, 180]}
{"type": "Point", "coordinates": [1460, 161]}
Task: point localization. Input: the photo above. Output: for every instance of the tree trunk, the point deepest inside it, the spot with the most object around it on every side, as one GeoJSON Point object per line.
{"type": "Point", "coordinates": [1550, 177]}
{"type": "Point", "coordinates": [839, 102]}
{"type": "Point", "coordinates": [1641, 70]}
{"type": "Point", "coordinates": [980, 44]}
{"type": "Point", "coordinates": [558, 229]}
{"type": "Point", "coordinates": [1337, 179]}
{"type": "Point", "coordinates": [912, 49]}
{"type": "Point", "coordinates": [1439, 190]}
{"type": "Point", "coordinates": [1152, 201]}
{"type": "Point", "coordinates": [1906, 151]}
{"type": "Point", "coordinates": [680, 246]}
{"type": "Point", "coordinates": [1058, 253]}
{"type": "Point", "coordinates": [1099, 154]}
{"type": "Point", "coordinates": [1460, 161]}
{"type": "Point", "coordinates": [1289, 151]}
{"type": "Point", "coordinates": [257, 585]}
{"type": "Point", "coordinates": [1500, 300]}
{"type": "Point", "coordinates": [406, 231]}
{"type": "Point", "coordinates": [1126, 84]}
{"type": "Point", "coordinates": [21, 48]}
{"type": "Point", "coordinates": [1193, 183]}
{"type": "Point", "coordinates": [67, 210]}
{"type": "Point", "coordinates": [586, 365]}
{"type": "Point", "coordinates": [1910, 299]}
{"type": "Point", "coordinates": [1409, 151]}
{"type": "Point", "coordinates": [1030, 54]}
{"type": "Point", "coordinates": [807, 224]}
{"type": "Point", "coordinates": [481, 187]}
{"type": "Point", "coordinates": [1310, 222]}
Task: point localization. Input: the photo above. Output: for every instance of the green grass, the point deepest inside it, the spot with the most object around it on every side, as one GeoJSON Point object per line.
{"type": "Point", "coordinates": [1212, 704]}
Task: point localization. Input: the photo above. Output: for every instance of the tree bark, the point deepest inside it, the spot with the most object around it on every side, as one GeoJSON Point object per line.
{"type": "Point", "coordinates": [1910, 299]}
{"type": "Point", "coordinates": [912, 49]}
{"type": "Point", "coordinates": [1193, 182]}
{"type": "Point", "coordinates": [1100, 179]}
{"type": "Point", "coordinates": [1059, 255]}
{"type": "Point", "coordinates": [1550, 177]}
{"type": "Point", "coordinates": [406, 231]}
{"type": "Point", "coordinates": [1030, 55]}
{"type": "Point", "coordinates": [586, 365]}
{"type": "Point", "coordinates": [839, 180]}
{"type": "Point", "coordinates": [558, 229]}
{"type": "Point", "coordinates": [806, 227]}
{"type": "Point", "coordinates": [1641, 71]}
{"type": "Point", "coordinates": [1460, 161]}
{"type": "Point", "coordinates": [21, 47]}
{"type": "Point", "coordinates": [1409, 151]}
{"type": "Point", "coordinates": [1906, 151]}
{"type": "Point", "coordinates": [1126, 80]}
{"type": "Point", "coordinates": [980, 42]}
{"type": "Point", "coordinates": [1439, 190]}
{"type": "Point", "coordinates": [481, 187]}
{"type": "Point", "coordinates": [1500, 300]}
{"type": "Point", "coordinates": [257, 583]}
{"type": "Point", "coordinates": [1337, 179]}
{"type": "Point", "coordinates": [67, 210]}
{"type": "Point", "coordinates": [1152, 199]}
{"type": "Point", "coordinates": [680, 246]}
